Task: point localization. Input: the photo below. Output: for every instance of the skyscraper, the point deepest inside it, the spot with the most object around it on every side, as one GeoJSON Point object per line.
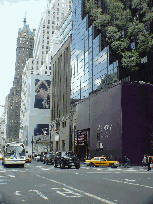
{"type": "Point", "coordinates": [24, 51]}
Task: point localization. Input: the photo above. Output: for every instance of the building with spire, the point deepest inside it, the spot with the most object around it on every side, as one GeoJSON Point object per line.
{"type": "Point", "coordinates": [24, 51]}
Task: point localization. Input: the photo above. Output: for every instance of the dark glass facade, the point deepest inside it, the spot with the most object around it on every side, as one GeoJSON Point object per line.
{"type": "Point", "coordinates": [90, 64]}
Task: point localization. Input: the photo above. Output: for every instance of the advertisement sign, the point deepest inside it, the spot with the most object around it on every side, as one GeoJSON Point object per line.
{"type": "Point", "coordinates": [80, 137]}
{"type": "Point", "coordinates": [42, 94]}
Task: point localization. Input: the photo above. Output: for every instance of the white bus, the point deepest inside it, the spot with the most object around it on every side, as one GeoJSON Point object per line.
{"type": "Point", "coordinates": [14, 154]}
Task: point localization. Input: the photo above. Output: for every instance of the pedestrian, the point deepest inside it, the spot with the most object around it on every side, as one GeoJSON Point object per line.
{"type": "Point", "coordinates": [144, 162]}
{"type": "Point", "coordinates": [125, 162]}
{"type": "Point", "coordinates": [148, 162]}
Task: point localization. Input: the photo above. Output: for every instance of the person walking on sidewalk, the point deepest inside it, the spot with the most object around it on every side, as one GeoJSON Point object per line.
{"type": "Point", "coordinates": [125, 162]}
{"type": "Point", "coordinates": [148, 162]}
{"type": "Point", "coordinates": [144, 162]}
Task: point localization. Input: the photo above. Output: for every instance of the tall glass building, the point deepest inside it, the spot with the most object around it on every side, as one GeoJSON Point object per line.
{"type": "Point", "coordinates": [91, 69]}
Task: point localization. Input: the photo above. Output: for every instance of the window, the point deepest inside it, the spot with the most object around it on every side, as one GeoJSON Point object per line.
{"type": "Point", "coordinates": [47, 42]}
{"type": "Point", "coordinates": [53, 22]}
{"type": "Point", "coordinates": [46, 47]}
{"type": "Point", "coordinates": [52, 27]}
{"type": "Point", "coordinates": [47, 31]}
{"type": "Point", "coordinates": [48, 26]}
{"type": "Point", "coordinates": [48, 21]}
{"type": "Point", "coordinates": [52, 32]}
{"type": "Point", "coordinates": [48, 12]}
{"type": "Point", "coordinates": [47, 37]}
{"type": "Point", "coordinates": [43, 26]}
{"type": "Point", "coordinates": [45, 72]}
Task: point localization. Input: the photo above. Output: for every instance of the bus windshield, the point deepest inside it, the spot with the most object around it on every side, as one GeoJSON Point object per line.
{"type": "Point", "coordinates": [17, 150]}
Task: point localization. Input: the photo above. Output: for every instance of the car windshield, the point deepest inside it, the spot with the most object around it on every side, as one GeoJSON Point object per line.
{"type": "Point", "coordinates": [50, 155]}
{"type": "Point", "coordinates": [17, 150]}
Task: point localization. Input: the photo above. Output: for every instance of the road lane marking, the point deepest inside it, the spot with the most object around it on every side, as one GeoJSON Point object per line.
{"type": "Point", "coordinates": [11, 175]}
{"type": "Point", "coordinates": [87, 194]}
{"type": "Point", "coordinates": [3, 183]}
{"type": "Point", "coordinates": [66, 192]}
{"type": "Point", "coordinates": [40, 194]}
{"type": "Point", "coordinates": [134, 184]}
{"type": "Point", "coordinates": [17, 193]}
{"type": "Point", "coordinates": [129, 180]}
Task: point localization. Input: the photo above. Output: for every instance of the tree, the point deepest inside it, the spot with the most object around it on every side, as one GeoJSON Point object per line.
{"type": "Point", "coordinates": [127, 28]}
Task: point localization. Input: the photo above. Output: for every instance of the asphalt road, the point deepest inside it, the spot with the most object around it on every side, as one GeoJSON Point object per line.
{"type": "Point", "coordinates": [40, 183]}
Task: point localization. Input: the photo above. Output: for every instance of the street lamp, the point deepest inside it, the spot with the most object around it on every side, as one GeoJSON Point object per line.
{"type": "Point", "coordinates": [32, 145]}
{"type": "Point", "coordinates": [50, 137]}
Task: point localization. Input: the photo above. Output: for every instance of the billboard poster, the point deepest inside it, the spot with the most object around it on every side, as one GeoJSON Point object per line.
{"type": "Point", "coordinates": [81, 137]}
{"type": "Point", "coordinates": [41, 129]}
{"type": "Point", "coordinates": [42, 94]}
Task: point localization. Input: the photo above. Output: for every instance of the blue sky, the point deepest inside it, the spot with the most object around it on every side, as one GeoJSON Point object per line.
{"type": "Point", "coordinates": [12, 13]}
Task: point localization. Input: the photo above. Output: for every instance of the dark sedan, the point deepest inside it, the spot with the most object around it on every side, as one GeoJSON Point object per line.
{"type": "Point", "coordinates": [49, 158]}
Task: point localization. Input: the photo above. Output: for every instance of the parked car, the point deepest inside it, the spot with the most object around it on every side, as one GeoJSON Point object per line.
{"type": "Point", "coordinates": [28, 159]}
{"type": "Point", "coordinates": [42, 156]}
{"type": "Point", "coordinates": [63, 159]}
{"type": "Point", "coordinates": [101, 161]}
{"type": "Point", "coordinates": [49, 158]}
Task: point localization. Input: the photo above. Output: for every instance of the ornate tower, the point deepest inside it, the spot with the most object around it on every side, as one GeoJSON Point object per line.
{"type": "Point", "coordinates": [24, 51]}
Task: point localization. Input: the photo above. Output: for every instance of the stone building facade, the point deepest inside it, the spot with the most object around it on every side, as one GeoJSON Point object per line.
{"type": "Point", "coordinates": [24, 51]}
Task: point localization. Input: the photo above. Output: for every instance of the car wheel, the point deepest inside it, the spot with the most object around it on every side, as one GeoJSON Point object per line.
{"type": "Point", "coordinates": [111, 165]}
{"type": "Point", "coordinates": [55, 165]}
{"type": "Point", "coordinates": [62, 165]}
{"type": "Point", "coordinates": [69, 167]}
{"type": "Point", "coordinates": [92, 165]}
{"type": "Point", "coordinates": [2, 163]}
{"type": "Point", "coordinates": [77, 167]}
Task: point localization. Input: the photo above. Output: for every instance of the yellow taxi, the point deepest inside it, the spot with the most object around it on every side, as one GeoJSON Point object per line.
{"type": "Point", "coordinates": [101, 161]}
{"type": "Point", "coordinates": [28, 159]}
{"type": "Point", "coordinates": [1, 156]}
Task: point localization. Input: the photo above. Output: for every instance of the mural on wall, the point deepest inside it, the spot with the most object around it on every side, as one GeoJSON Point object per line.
{"type": "Point", "coordinates": [42, 94]}
{"type": "Point", "coordinates": [41, 129]}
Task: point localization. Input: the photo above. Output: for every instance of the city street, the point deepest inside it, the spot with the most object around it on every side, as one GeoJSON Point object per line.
{"type": "Point", "coordinates": [41, 183]}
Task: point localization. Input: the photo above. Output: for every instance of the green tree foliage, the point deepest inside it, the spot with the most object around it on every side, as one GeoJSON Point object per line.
{"type": "Point", "coordinates": [125, 23]}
